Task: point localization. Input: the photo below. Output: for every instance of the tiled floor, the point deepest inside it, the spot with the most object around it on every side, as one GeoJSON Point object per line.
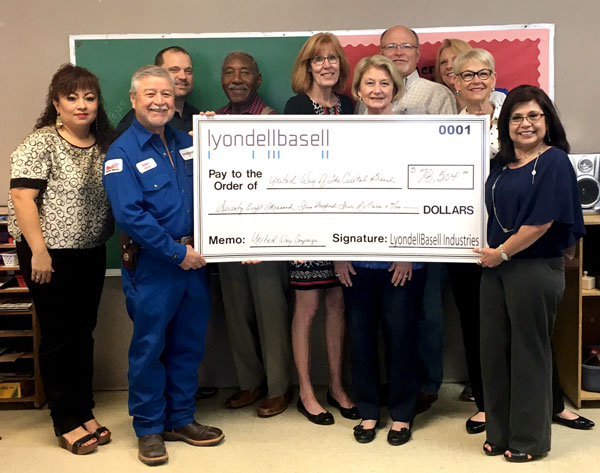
{"type": "Point", "coordinates": [288, 443]}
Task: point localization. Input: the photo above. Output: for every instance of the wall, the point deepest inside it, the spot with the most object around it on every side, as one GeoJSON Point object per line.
{"type": "Point", "coordinates": [34, 37]}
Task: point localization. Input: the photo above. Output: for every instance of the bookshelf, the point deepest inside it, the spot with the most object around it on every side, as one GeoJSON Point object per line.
{"type": "Point", "coordinates": [19, 336]}
{"type": "Point", "coordinates": [578, 319]}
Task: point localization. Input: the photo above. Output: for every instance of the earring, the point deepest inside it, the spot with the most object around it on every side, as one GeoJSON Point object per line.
{"type": "Point", "coordinates": [59, 122]}
{"type": "Point", "coordinates": [548, 136]}
{"type": "Point", "coordinates": [458, 92]}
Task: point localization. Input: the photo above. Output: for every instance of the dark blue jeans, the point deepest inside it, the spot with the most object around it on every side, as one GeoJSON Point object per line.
{"type": "Point", "coordinates": [373, 301]}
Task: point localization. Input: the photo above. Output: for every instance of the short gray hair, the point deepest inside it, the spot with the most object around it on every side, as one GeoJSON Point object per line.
{"type": "Point", "coordinates": [238, 53]}
{"type": "Point", "coordinates": [476, 54]}
{"type": "Point", "coordinates": [148, 71]}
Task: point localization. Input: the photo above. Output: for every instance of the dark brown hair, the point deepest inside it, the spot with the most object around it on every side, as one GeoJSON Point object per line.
{"type": "Point", "coordinates": [159, 59]}
{"type": "Point", "coordinates": [65, 81]}
{"type": "Point", "coordinates": [555, 135]}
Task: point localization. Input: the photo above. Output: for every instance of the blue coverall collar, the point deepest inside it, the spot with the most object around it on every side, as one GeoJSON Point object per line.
{"type": "Point", "coordinates": [143, 135]}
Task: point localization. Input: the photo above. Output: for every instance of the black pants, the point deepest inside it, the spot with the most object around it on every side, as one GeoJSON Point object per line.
{"type": "Point", "coordinates": [67, 309]}
{"type": "Point", "coordinates": [373, 300]}
{"type": "Point", "coordinates": [465, 279]}
{"type": "Point", "coordinates": [519, 300]}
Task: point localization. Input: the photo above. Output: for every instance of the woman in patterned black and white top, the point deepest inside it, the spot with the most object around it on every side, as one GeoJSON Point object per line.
{"type": "Point", "coordinates": [60, 219]}
{"type": "Point", "coordinates": [319, 75]}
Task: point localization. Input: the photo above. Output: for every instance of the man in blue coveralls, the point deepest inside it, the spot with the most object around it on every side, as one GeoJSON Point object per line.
{"type": "Point", "coordinates": [148, 179]}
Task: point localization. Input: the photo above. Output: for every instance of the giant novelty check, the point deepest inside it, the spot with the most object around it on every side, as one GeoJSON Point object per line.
{"type": "Point", "coordinates": [391, 188]}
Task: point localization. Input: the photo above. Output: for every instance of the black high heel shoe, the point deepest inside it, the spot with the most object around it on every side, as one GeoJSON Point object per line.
{"type": "Point", "coordinates": [474, 426]}
{"type": "Point", "coordinates": [581, 423]}
{"type": "Point", "coordinates": [348, 413]}
{"type": "Point", "coordinates": [363, 435]}
{"type": "Point", "coordinates": [323, 418]}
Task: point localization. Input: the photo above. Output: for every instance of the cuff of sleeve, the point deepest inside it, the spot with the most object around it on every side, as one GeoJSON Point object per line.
{"type": "Point", "coordinates": [28, 183]}
{"type": "Point", "coordinates": [179, 254]}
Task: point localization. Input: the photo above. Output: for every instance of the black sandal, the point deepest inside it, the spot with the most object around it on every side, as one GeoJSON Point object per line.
{"type": "Point", "coordinates": [520, 457]}
{"type": "Point", "coordinates": [78, 447]}
{"type": "Point", "coordinates": [494, 450]}
{"type": "Point", "coordinates": [102, 439]}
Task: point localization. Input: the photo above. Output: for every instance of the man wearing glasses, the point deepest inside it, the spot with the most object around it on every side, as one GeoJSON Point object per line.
{"type": "Point", "coordinates": [421, 96]}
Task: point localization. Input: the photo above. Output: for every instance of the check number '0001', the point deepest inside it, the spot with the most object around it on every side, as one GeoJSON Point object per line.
{"type": "Point", "coordinates": [454, 130]}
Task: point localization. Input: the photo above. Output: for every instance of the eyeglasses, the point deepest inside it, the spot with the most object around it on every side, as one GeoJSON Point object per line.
{"type": "Point", "coordinates": [394, 46]}
{"type": "Point", "coordinates": [320, 60]}
{"type": "Point", "coordinates": [532, 117]}
{"type": "Point", "coordinates": [468, 76]}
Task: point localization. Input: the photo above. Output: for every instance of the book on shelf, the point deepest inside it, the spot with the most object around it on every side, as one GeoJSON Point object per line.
{"type": "Point", "coordinates": [14, 303]}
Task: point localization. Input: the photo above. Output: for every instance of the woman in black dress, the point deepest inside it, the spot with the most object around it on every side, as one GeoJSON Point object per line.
{"type": "Point", "coordinates": [319, 75]}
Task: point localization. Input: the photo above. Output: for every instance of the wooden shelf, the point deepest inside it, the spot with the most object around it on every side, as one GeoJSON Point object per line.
{"type": "Point", "coordinates": [15, 312]}
{"type": "Point", "coordinates": [19, 399]}
{"type": "Point", "coordinates": [7, 246]}
{"type": "Point", "coordinates": [590, 292]}
{"type": "Point", "coordinates": [14, 290]}
{"type": "Point", "coordinates": [16, 333]}
{"type": "Point", "coordinates": [590, 396]}
{"type": "Point", "coordinates": [591, 218]}
{"type": "Point", "coordinates": [9, 268]}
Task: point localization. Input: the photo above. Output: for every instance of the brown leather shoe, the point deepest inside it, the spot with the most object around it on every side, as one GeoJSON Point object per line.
{"type": "Point", "coordinates": [195, 434]}
{"type": "Point", "coordinates": [274, 405]}
{"type": "Point", "coordinates": [245, 398]}
{"type": "Point", "coordinates": [424, 402]}
{"type": "Point", "coordinates": [151, 450]}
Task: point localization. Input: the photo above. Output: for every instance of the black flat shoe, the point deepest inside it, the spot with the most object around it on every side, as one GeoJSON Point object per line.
{"type": "Point", "coordinates": [581, 423]}
{"type": "Point", "coordinates": [494, 450]}
{"type": "Point", "coordinates": [398, 437]}
{"type": "Point", "coordinates": [323, 418]}
{"type": "Point", "coordinates": [474, 426]}
{"type": "Point", "coordinates": [347, 413]}
{"type": "Point", "coordinates": [363, 435]}
{"type": "Point", "coordinates": [521, 457]}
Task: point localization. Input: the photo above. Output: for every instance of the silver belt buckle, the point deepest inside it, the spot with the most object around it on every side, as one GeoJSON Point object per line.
{"type": "Point", "coordinates": [187, 240]}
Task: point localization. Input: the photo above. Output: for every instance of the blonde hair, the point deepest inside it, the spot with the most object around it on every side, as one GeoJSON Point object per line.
{"type": "Point", "coordinates": [301, 76]}
{"type": "Point", "coordinates": [475, 54]}
{"type": "Point", "coordinates": [378, 62]}
{"type": "Point", "coordinates": [458, 46]}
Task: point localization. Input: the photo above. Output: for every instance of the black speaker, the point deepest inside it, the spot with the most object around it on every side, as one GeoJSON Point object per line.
{"type": "Point", "coordinates": [587, 168]}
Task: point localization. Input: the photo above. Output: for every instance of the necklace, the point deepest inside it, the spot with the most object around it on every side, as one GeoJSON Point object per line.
{"type": "Point", "coordinates": [533, 173]}
{"type": "Point", "coordinates": [538, 150]}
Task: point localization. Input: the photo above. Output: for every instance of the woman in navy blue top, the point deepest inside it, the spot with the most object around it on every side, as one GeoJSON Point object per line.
{"type": "Point", "coordinates": [382, 294]}
{"type": "Point", "coordinates": [534, 215]}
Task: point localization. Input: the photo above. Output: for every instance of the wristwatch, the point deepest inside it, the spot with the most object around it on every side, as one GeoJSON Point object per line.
{"type": "Point", "coordinates": [503, 255]}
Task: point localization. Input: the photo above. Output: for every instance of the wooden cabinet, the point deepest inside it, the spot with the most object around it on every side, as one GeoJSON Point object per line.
{"type": "Point", "coordinates": [19, 336]}
{"type": "Point", "coordinates": [578, 318]}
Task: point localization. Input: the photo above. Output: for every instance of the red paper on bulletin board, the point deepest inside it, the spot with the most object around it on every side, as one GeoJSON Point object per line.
{"type": "Point", "coordinates": [523, 53]}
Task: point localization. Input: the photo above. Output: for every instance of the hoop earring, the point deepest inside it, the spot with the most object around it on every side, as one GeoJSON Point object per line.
{"type": "Point", "coordinates": [59, 122]}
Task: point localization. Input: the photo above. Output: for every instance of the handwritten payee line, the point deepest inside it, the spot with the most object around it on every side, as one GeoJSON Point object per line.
{"type": "Point", "coordinates": [332, 188]}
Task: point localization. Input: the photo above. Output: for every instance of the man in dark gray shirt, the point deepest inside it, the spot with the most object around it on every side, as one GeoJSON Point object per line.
{"type": "Point", "coordinates": [178, 64]}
